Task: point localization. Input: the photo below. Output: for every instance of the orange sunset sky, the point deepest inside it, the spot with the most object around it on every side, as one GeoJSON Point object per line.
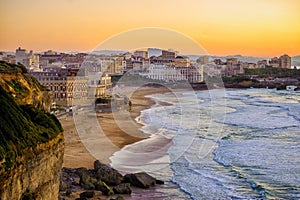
{"type": "Point", "coordinates": [223, 27]}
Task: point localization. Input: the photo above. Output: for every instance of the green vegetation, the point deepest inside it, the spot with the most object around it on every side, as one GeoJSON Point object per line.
{"type": "Point", "coordinates": [9, 68]}
{"type": "Point", "coordinates": [18, 87]}
{"type": "Point", "coordinates": [23, 127]}
{"type": "Point", "coordinates": [115, 79]}
{"type": "Point", "coordinates": [236, 79]}
{"type": "Point", "coordinates": [274, 72]}
{"type": "Point", "coordinates": [130, 79]}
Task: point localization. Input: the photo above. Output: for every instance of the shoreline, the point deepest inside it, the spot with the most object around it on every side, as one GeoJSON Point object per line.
{"type": "Point", "coordinates": [149, 155]}
{"type": "Point", "coordinates": [76, 154]}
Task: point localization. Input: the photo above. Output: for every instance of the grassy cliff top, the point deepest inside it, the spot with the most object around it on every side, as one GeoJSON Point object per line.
{"type": "Point", "coordinates": [24, 88]}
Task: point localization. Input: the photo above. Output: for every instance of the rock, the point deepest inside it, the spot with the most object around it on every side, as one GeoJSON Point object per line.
{"type": "Point", "coordinates": [62, 186]}
{"type": "Point", "coordinates": [88, 186]}
{"type": "Point", "coordinates": [70, 177]}
{"type": "Point", "coordinates": [123, 188]}
{"type": "Point", "coordinates": [160, 182]}
{"type": "Point", "coordinates": [86, 181]}
{"type": "Point", "coordinates": [87, 195]}
{"type": "Point", "coordinates": [83, 174]}
{"type": "Point", "coordinates": [107, 174]}
{"type": "Point", "coordinates": [97, 165]}
{"type": "Point", "coordinates": [141, 179]}
{"type": "Point", "coordinates": [68, 192]}
{"type": "Point", "coordinates": [104, 188]}
{"type": "Point", "coordinates": [118, 198]}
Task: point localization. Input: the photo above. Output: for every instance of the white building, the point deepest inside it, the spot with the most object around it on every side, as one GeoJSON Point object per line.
{"type": "Point", "coordinates": [191, 74]}
{"type": "Point", "coordinates": [29, 60]}
{"type": "Point", "coordinates": [98, 83]}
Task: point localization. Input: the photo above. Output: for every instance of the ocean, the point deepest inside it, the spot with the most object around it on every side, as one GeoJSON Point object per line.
{"type": "Point", "coordinates": [217, 144]}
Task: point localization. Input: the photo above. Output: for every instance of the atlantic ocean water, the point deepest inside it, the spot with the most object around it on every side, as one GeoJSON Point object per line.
{"type": "Point", "coordinates": [233, 144]}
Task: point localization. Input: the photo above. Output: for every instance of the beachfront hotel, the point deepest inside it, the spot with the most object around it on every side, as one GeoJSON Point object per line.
{"type": "Point", "coordinates": [166, 73]}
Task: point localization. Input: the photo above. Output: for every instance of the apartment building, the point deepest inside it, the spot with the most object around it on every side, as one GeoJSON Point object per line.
{"type": "Point", "coordinates": [28, 59]}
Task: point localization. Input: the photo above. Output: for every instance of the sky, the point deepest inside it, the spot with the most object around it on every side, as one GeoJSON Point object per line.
{"type": "Point", "coordinates": [265, 28]}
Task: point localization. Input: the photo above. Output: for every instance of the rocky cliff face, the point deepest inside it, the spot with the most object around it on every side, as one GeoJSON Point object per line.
{"type": "Point", "coordinates": [37, 174]}
{"type": "Point", "coordinates": [31, 140]}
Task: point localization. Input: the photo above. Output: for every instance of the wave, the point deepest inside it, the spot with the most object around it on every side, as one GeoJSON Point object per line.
{"type": "Point", "coordinates": [270, 173]}
{"type": "Point", "coordinates": [205, 182]}
{"type": "Point", "coordinates": [251, 155]}
{"type": "Point", "coordinates": [237, 173]}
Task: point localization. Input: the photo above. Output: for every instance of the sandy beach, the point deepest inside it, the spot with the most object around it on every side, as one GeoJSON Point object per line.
{"type": "Point", "coordinates": [77, 155]}
{"type": "Point", "coordinates": [121, 134]}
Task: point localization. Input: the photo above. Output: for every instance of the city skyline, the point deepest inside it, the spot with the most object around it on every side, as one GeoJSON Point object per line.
{"type": "Point", "coordinates": [268, 28]}
{"type": "Point", "coordinates": [118, 52]}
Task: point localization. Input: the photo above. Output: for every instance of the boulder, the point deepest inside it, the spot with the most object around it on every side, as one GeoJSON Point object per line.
{"type": "Point", "coordinates": [87, 195]}
{"type": "Point", "coordinates": [86, 181]}
{"type": "Point", "coordinates": [62, 186]}
{"type": "Point", "coordinates": [141, 179]}
{"type": "Point", "coordinates": [104, 188]}
{"type": "Point", "coordinates": [83, 175]}
{"type": "Point", "coordinates": [117, 198]}
{"type": "Point", "coordinates": [160, 182]}
{"type": "Point", "coordinates": [123, 188]}
{"type": "Point", "coordinates": [97, 165]}
{"type": "Point", "coordinates": [68, 192]}
{"type": "Point", "coordinates": [88, 186]}
{"type": "Point", "coordinates": [107, 174]}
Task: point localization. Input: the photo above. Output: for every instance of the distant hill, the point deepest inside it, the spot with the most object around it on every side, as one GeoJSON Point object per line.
{"type": "Point", "coordinates": [108, 52]}
{"type": "Point", "coordinates": [193, 57]}
{"type": "Point", "coordinates": [154, 52]}
{"type": "Point", "coordinates": [249, 59]}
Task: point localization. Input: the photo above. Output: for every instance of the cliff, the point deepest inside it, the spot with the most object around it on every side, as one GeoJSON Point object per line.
{"type": "Point", "coordinates": [31, 139]}
{"type": "Point", "coordinates": [37, 174]}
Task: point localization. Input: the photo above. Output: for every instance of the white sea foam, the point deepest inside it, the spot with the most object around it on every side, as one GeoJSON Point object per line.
{"type": "Point", "coordinates": [251, 152]}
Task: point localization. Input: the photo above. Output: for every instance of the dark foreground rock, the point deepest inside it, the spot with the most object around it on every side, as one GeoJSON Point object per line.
{"type": "Point", "coordinates": [104, 188]}
{"type": "Point", "coordinates": [117, 198]}
{"type": "Point", "coordinates": [107, 174]}
{"type": "Point", "coordinates": [141, 179]}
{"type": "Point", "coordinates": [159, 182]}
{"type": "Point", "coordinates": [86, 181]}
{"type": "Point", "coordinates": [102, 178]}
{"type": "Point", "coordinates": [123, 188]}
{"type": "Point", "coordinates": [87, 195]}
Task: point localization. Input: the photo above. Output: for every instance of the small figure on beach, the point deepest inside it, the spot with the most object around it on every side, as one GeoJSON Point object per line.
{"type": "Point", "coordinates": [129, 106]}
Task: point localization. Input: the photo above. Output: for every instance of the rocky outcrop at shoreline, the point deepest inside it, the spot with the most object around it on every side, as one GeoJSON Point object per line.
{"type": "Point", "coordinates": [83, 183]}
